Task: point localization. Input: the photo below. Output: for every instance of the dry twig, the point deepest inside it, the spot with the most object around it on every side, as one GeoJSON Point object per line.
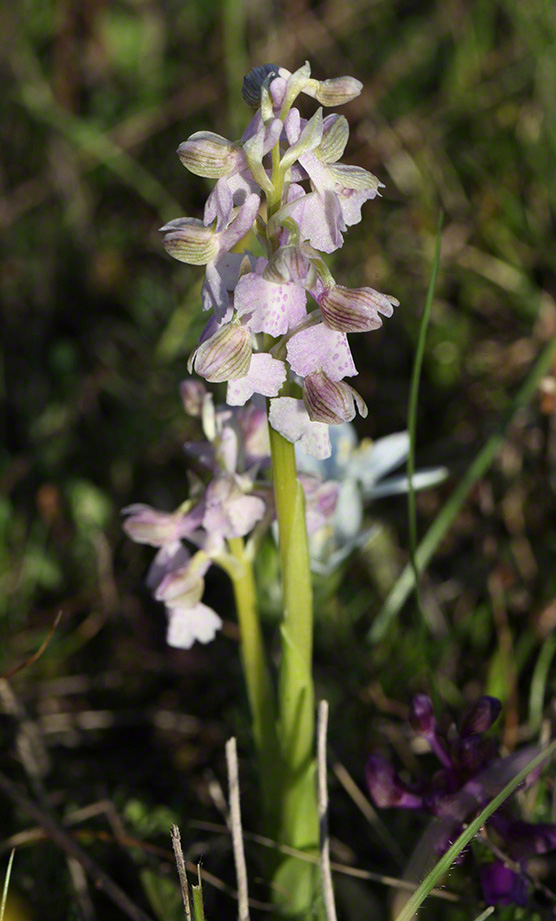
{"type": "Point", "coordinates": [325, 871]}
{"type": "Point", "coordinates": [237, 833]}
{"type": "Point", "coordinates": [180, 864]}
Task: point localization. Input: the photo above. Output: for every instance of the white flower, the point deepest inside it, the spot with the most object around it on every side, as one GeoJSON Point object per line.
{"type": "Point", "coordinates": [359, 469]}
{"type": "Point", "coordinates": [187, 624]}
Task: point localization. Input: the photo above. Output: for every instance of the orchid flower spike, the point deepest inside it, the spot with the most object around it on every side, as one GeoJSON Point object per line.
{"type": "Point", "coordinates": [280, 320]}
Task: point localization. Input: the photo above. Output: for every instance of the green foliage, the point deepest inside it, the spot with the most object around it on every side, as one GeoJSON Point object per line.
{"type": "Point", "coordinates": [164, 896]}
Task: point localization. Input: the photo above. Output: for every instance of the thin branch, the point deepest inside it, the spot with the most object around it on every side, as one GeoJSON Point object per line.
{"type": "Point", "coordinates": [237, 833]}
{"type": "Point", "coordinates": [36, 655]}
{"type": "Point", "coordinates": [6, 885]}
{"type": "Point", "coordinates": [485, 914]}
{"type": "Point", "coordinates": [392, 881]}
{"type": "Point", "coordinates": [325, 871]}
{"type": "Point", "coordinates": [35, 762]}
{"type": "Point", "coordinates": [35, 835]}
{"type": "Point", "coordinates": [180, 864]}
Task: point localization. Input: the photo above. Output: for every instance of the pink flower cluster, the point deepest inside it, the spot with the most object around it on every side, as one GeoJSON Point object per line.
{"type": "Point", "coordinates": [262, 337]}
{"type": "Point", "coordinates": [230, 497]}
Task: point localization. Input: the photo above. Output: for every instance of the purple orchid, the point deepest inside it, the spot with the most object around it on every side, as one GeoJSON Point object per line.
{"type": "Point", "coordinates": [471, 774]}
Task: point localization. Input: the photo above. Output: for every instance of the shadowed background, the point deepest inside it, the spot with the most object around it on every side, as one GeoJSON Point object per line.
{"type": "Point", "coordinates": [457, 114]}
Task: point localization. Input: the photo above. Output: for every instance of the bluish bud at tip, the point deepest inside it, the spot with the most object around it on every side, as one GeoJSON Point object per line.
{"type": "Point", "coordinates": [253, 82]}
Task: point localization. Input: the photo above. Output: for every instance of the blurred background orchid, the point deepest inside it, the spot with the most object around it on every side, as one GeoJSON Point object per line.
{"type": "Point", "coordinates": [360, 469]}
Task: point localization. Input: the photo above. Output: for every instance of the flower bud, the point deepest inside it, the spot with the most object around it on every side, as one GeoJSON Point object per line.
{"type": "Point", "coordinates": [189, 240]}
{"type": "Point", "coordinates": [226, 356]}
{"type": "Point", "coordinates": [386, 787]}
{"type": "Point", "coordinates": [355, 310]}
{"type": "Point", "coordinates": [421, 715]}
{"type": "Point", "coordinates": [332, 402]}
{"type": "Point", "coordinates": [334, 92]}
{"type": "Point", "coordinates": [480, 716]}
{"type": "Point", "coordinates": [209, 155]}
{"type": "Point", "coordinates": [253, 81]}
{"type": "Point", "coordinates": [334, 139]}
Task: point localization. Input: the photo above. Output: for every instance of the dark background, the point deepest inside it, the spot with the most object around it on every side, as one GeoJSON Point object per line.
{"type": "Point", "coordinates": [457, 114]}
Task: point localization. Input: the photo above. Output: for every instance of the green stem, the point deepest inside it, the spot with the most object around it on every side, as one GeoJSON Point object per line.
{"type": "Point", "coordinates": [299, 816]}
{"type": "Point", "coordinates": [295, 886]}
{"type": "Point", "coordinates": [259, 685]}
{"type": "Point", "coordinates": [413, 403]}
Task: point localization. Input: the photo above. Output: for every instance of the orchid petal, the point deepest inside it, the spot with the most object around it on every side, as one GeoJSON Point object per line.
{"type": "Point", "coordinates": [320, 348]}
{"type": "Point", "coordinates": [290, 418]}
{"type": "Point", "coordinates": [274, 308]}
{"type": "Point", "coordinates": [187, 624]}
{"type": "Point", "coordinates": [265, 376]}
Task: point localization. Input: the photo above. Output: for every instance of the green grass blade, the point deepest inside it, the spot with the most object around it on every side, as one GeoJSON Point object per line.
{"type": "Point", "coordinates": [538, 682]}
{"type": "Point", "coordinates": [197, 898]}
{"type": "Point", "coordinates": [450, 511]}
{"type": "Point", "coordinates": [6, 885]}
{"type": "Point", "coordinates": [413, 403]}
{"type": "Point", "coordinates": [433, 878]}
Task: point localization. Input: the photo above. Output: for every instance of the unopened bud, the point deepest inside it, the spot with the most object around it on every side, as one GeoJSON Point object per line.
{"type": "Point", "coordinates": [330, 401]}
{"type": "Point", "coordinates": [355, 310]}
{"type": "Point", "coordinates": [189, 240]}
{"type": "Point", "coordinates": [253, 81]}
{"type": "Point", "coordinates": [334, 92]}
{"type": "Point", "coordinates": [209, 155]}
{"type": "Point", "coordinates": [226, 356]}
{"type": "Point", "coordinates": [480, 716]}
{"type": "Point", "coordinates": [421, 715]}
